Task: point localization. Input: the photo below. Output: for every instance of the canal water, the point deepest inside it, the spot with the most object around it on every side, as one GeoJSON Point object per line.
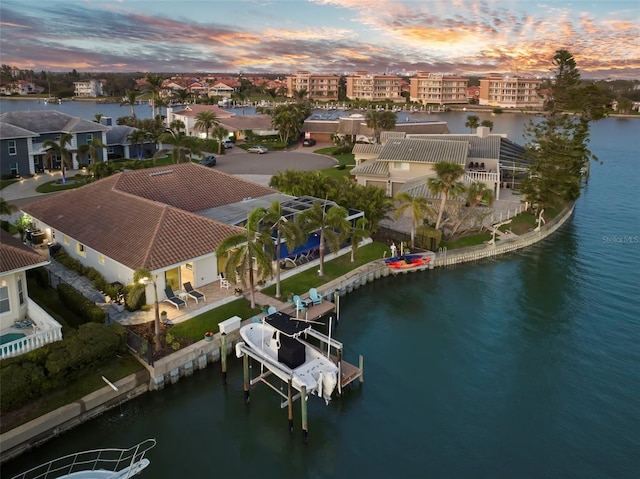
{"type": "Point", "coordinates": [522, 366]}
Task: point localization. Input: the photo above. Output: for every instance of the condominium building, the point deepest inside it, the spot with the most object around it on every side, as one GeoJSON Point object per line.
{"type": "Point", "coordinates": [364, 86]}
{"type": "Point", "coordinates": [510, 91]}
{"type": "Point", "coordinates": [317, 87]}
{"type": "Point", "coordinates": [91, 88]}
{"type": "Point", "coordinates": [439, 89]}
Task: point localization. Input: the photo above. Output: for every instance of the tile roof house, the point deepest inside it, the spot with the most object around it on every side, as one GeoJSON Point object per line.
{"type": "Point", "coordinates": [20, 316]}
{"type": "Point", "coordinates": [403, 161]}
{"type": "Point", "coordinates": [151, 218]}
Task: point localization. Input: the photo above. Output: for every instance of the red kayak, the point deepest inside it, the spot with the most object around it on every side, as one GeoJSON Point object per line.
{"type": "Point", "coordinates": [408, 263]}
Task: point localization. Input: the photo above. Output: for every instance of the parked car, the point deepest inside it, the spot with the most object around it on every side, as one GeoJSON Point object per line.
{"type": "Point", "coordinates": [227, 143]}
{"type": "Point", "coordinates": [208, 161]}
{"type": "Point", "coordinates": [259, 149]}
{"type": "Point", "coordinates": [308, 142]}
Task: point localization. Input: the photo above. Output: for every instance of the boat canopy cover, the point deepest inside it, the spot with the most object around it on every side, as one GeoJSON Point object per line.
{"type": "Point", "coordinates": [287, 324]}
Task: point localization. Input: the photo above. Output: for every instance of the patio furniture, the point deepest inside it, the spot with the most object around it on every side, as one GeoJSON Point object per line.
{"type": "Point", "coordinates": [298, 303]}
{"type": "Point", "coordinates": [271, 310]}
{"type": "Point", "coordinates": [194, 293]}
{"type": "Point", "coordinates": [314, 296]}
{"type": "Point", "coordinates": [224, 283]}
{"type": "Point", "coordinates": [172, 298]}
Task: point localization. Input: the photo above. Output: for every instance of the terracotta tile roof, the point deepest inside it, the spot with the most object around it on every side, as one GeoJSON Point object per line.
{"type": "Point", "coordinates": [144, 218]}
{"type": "Point", "coordinates": [15, 256]}
{"type": "Point", "coordinates": [189, 186]}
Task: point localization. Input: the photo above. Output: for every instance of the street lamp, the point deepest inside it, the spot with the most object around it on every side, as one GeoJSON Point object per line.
{"type": "Point", "coordinates": [146, 280]}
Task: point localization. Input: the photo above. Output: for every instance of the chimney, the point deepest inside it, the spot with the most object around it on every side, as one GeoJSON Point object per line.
{"type": "Point", "coordinates": [483, 131]}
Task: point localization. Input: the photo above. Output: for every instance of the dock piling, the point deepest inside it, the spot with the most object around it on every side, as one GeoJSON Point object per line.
{"type": "Point", "coordinates": [223, 357]}
{"type": "Point", "coordinates": [361, 366]}
{"type": "Point", "coordinates": [245, 367]}
{"type": "Point", "coordinates": [290, 405]}
{"type": "Point", "coordinates": [303, 410]}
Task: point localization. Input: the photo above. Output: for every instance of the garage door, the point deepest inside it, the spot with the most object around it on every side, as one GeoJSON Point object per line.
{"type": "Point", "coordinates": [395, 187]}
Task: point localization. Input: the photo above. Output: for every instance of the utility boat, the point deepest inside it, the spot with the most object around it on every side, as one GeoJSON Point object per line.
{"type": "Point", "coordinates": [278, 341]}
{"type": "Point", "coordinates": [94, 464]}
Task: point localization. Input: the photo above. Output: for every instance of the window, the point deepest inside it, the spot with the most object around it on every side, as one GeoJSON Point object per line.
{"type": "Point", "coordinates": [89, 137]}
{"type": "Point", "coordinates": [13, 149]}
{"type": "Point", "coordinates": [102, 259]}
{"type": "Point", "coordinates": [400, 165]}
{"type": "Point", "coordinates": [65, 239]}
{"type": "Point", "coordinates": [13, 167]}
{"type": "Point", "coordinates": [80, 249]}
{"type": "Point", "coordinates": [110, 150]}
{"type": "Point", "coordinates": [20, 292]}
{"type": "Point", "coordinates": [4, 299]}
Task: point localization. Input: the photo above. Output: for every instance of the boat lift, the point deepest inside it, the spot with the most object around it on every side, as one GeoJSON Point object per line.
{"type": "Point", "coordinates": [347, 373]}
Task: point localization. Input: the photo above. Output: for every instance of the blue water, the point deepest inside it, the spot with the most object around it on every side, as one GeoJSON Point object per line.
{"type": "Point", "coordinates": [523, 366]}
{"type": "Point", "coordinates": [9, 337]}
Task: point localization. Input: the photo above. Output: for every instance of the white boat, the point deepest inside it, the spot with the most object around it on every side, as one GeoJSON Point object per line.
{"type": "Point", "coordinates": [94, 464]}
{"type": "Point", "coordinates": [278, 341]}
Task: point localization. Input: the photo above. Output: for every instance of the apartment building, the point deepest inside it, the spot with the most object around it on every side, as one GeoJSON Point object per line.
{"type": "Point", "coordinates": [506, 91]}
{"type": "Point", "coordinates": [365, 86]}
{"type": "Point", "coordinates": [318, 87]}
{"type": "Point", "coordinates": [439, 89]}
{"type": "Point", "coordinates": [91, 88]}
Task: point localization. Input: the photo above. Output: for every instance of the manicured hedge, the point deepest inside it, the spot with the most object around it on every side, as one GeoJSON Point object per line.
{"type": "Point", "coordinates": [57, 364]}
{"type": "Point", "coordinates": [80, 305]}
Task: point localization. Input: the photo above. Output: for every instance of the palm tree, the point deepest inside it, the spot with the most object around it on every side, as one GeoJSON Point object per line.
{"type": "Point", "coordinates": [248, 250]}
{"type": "Point", "coordinates": [445, 183]}
{"type": "Point", "coordinates": [205, 120]}
{"type": "Point", "coordinates": [380, 120]}
{"type": "Point", "coordinates": [487, 123]}
{"type": "Point", "coordinates": [130, 98]}
{"type": "Point", "coordinates": [472, 122]}
{"type": "Point", "coordinates": [419, 208]}
{"type": "Point", "coordinates": [357, 233]}
{"type": "Point", "coordinates": [59, 150]}
{"type": "Point", "coordinates": [286, 230]}
{"type": "Point", "coordinates": [138, 137]}
{"type": "Point", "coordinates": [331, 224]}
{"type": "Point", "coordinates": [144, 276]}
{"type": "Point", "coordinates": [153, 84]}
{"type": "Point", "coordinates": [182, 95]}
{"type": "Point", "coordinates": [97, 117]}
{"type": "Point", "coordinates": [220, 133]}
{"type": "Point", "coordinates": [92, 149]}
{"type": "Point", "coordinates": [476, 193]}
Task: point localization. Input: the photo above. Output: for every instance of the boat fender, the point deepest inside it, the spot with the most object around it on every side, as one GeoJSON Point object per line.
{"type": "Point", "coordinates": [238, 350]}
{"type": "Point", "coordinates": [278, 340]}
{"type": "Point", "coordinates": [320, 378]}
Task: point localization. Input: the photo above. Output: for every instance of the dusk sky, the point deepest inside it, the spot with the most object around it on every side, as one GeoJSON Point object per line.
{"type": "Point", "coordinates": [322, 36]}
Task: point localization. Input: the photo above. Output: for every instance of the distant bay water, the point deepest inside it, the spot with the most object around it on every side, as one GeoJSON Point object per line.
{"type": "Point", "coordinates": [522, 366]}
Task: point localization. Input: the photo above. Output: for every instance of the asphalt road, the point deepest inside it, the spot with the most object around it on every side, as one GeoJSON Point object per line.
{"type": "Point", "coordinates": [236, 161]}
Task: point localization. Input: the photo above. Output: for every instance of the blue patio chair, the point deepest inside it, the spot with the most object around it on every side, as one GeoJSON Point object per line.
{"type": "Point", "coordinates": [172, 298]}
{"type": "Point", "coordinates": [314, 296]}
{"type": "Point", "coordinates": [271, 310]}
{"type": "Point", "coordinates": [298, 303]}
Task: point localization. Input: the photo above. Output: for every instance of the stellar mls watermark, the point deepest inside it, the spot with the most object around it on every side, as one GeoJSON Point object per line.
{"type": "Point", "coordinates": [621, 239]}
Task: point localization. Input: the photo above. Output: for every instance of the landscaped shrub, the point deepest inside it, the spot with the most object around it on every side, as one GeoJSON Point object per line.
{"type": "Point", "coordinates": [80, 305]}
{"type": "Point", "coordinates": [54, 366]}
{"type": "Point", "coordinates": [134, 296]}
{"type": "Point", "coordinates": [41, 275]}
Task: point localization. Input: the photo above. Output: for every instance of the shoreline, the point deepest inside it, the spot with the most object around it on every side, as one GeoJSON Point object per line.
{"type": "Point", "coordinates": [200, 354]}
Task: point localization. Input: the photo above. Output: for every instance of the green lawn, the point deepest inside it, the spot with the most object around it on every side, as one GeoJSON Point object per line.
{"type": "Point", "coordinates": [301, 282]}
{"type": "Point", "coordinates": [48, 299]}
{"type": "Point", "coordinates": [85, 384]}
{"type": "Point", "coordinates": [344, 163]}
{"type": "Point", "coordinates": [195, 328]}
{"type": "Point", "coordinates": [466, 241]}
{"type": "Point", "coordinates": [53, 186]}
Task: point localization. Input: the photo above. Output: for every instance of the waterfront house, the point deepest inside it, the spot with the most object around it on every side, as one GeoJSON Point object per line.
{"type": "Point", "coordinates": [402, 162]}
{"type": "Point", "coordinates": [24, 325]}
{"type": "Point", "coordinates": [89, 88]}
{"type": "Point", "coordinates": [22, 134]}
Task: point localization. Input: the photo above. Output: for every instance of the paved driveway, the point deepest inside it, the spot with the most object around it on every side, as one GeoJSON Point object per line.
{"type": "Point", "coordinates": [237, 161]}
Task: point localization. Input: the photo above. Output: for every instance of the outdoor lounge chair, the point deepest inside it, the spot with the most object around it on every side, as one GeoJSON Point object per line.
{"type": "Point", "coordinates": [314, 296]}
{"type": "Point", "coordinates": [271, 310]}
{"type": "Point", "coordinates": [194, 293]}
{"type": "Point", "coordinates": [298, 303]}
{"type": "Point", "coordinates": [172, 298]}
